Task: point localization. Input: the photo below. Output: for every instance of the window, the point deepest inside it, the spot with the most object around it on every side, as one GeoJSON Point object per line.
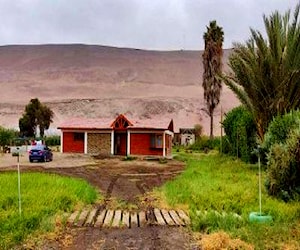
{"type": "Point", "coordinates": [156, 141]}
{"type": "Point", "coordinates": [78, 136]}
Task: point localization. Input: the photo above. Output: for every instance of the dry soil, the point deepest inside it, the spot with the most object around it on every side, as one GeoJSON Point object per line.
{"type": "Point", "coordinates": [125, 181]}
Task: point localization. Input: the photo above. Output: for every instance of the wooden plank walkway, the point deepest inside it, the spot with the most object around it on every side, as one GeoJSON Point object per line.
{"type": "Point", "coordinates": [118, 218]}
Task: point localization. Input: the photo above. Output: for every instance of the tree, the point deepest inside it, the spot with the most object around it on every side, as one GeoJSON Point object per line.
{"type": "Point", "coordinates": [36, 115]}
{"type": "Point", "coordinates": [266, 72]}
{"type": "Point", "coordinates": [198, 129]}
{"type": "Point", "coordinates": [212, 62]}
{"type": "Point", "coordinates": [6, 136]}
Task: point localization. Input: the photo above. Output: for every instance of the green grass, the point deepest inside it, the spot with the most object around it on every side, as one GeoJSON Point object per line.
{"type": "Point", "coordinates": [43, 196]}
{"type": "Point", "coordinates": [216, 183]}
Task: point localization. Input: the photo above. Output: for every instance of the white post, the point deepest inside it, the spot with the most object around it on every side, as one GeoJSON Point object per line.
{"type": "Point", "coordinates": [85, 142]}
{"type": "Point", "coordinates": [221, 146]}
{"type": "Point", "coordinates": [19, 184]}
{"type": "Point", "coordinates": [112, 142]}
{"type": "Point", "coordinates": [128, 143]}
{"type": "Point", "coordinates": [61, 141]}
{"type": "Point", "coordinates": [259, 183]}
{"type": "Point", "coordinates": [164, 144]}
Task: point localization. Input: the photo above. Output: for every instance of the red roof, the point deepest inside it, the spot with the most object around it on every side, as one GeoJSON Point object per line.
{"type": "Point", "coordinates": [152, 124]}
{"type": "Point", "coordinates": [81, 123]}
{"type": "Point", "coordinates": [102, 124]}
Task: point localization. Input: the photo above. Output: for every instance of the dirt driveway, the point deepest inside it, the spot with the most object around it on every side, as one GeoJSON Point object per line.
{"type": "Point", "coordinates": [124, 181]}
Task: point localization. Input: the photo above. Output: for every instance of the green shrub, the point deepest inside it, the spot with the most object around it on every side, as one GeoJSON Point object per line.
{"type": "Point", "coordinates": [240, 130]}
{"type": "Point", "coordinates": [204, 143]}
{"type": "Point", "coordinates": [53, 140]}
{"type": "Point", "coordinates": [226, 145]}
{"type": "Point", "coordinates": [284, 168]}
{"type": "Point", "coordinates": [6, 137]}
{"type": "Point", "coordinates": [198, 130]}
{"type": "Point", "coordinates": [129, 158]}
{"type": "Point", "coordinates": [280, 127]}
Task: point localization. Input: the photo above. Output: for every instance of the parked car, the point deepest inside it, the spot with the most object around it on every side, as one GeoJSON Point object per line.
{"type": "Point", "coordinates": [40, 153]}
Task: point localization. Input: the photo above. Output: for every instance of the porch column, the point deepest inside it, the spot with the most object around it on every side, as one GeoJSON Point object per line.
{"type": "Point", "coordinates": [164, 144]}
{"type": "Point", "coordinates": [112, 142]}
{"type": "Point", "coordinates": [128, 142]}
{"type": "Point", "coordinates": [85, 143]}
{"type": "Point", "coordinates": [61, 141]}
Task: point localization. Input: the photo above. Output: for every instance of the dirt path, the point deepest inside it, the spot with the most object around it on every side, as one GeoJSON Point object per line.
{"type": "Point", "coordinates": [126, 181]}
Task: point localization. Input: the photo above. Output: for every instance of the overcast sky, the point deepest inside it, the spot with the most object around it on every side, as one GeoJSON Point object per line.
{"type": "Point", "coordinates": [144, 24]}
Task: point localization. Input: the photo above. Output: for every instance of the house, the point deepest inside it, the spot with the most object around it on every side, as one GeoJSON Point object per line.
{"type": "Point", "coordinates": [187, 136]}
{"type": "Point", "coordinates": [118, 137]}
{"type": "Point", "coordinates": [184, 137]}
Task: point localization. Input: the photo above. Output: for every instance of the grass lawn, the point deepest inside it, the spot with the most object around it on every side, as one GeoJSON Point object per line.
{"type": "Point", "coordinates": [43, 197]}
{"type": "Point", "coordinates": [213, 184]}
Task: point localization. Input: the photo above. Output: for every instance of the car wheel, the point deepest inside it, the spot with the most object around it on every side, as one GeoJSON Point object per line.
{"type": "Point", "coordinates": [30, 160]}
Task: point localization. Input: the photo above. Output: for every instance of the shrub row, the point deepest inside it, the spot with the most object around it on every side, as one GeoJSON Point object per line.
{"type": "Point", "coordinates": [282, 144]}
{"type": "Point", "coordinates": [240, 139]}
{"type": "Point", "coordinates": [204, 143]}
{"type": "Point", "coordinates": [53, 140]}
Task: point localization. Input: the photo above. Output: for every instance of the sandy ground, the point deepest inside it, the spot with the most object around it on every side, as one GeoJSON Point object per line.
{"type": "Point", "coordinates": [59, 160]}
{"type": "Point", "coordinates": [100, 82]}
{"type": "Point", "coordinates": [127, 181]}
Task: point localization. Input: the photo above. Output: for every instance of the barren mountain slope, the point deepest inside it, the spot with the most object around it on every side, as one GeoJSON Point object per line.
{"type": "Point", "coordinates": [98, 81]}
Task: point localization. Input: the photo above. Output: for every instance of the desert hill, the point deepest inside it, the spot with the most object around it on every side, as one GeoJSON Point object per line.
{"type": "Point", "coordinates": [98, 81]}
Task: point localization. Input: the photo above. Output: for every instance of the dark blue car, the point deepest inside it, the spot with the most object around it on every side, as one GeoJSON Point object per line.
{"type": "Point", "coordinates": [40, 153]}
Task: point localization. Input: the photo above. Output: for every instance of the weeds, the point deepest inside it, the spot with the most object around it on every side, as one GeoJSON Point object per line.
{"type": "Point", "coordinates": [212, 182]}
{"type": "Point", "coordinates": [43, 196]}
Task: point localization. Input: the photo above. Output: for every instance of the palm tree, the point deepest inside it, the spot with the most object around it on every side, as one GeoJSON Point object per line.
{"type": "Point", "coordinates": [266, 72]}
{"type": "Point", "coordinates": [212, 62]}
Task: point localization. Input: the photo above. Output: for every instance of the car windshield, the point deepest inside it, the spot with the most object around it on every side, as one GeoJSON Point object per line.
{"type": "Point", "coordinates": [38, 147]}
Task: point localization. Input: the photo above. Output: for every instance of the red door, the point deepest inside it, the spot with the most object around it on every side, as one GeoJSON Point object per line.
{"type": "Point", "coordinates": [120, 143]}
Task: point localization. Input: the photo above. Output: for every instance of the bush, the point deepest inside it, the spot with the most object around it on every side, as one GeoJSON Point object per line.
{"type": "Point", "coordinates": [284, 168]}
{"type": "Point", "coordinates": [280, 127]}
{"type": "Point", "coordinates": [198, 129]}
{"type": "Point", "coordinates": [52, 140]}
{"type": "Point", "coordinates": [6, 137]}
{"type": "Point", "coordinates": [240, 130]}
{"type": "Point", "coordinates": [226, 146]}
{"type": "Point", "coordinates": [204, 143]}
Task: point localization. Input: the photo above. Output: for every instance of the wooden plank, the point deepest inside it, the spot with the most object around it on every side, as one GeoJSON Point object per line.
{"type": "Point", "coordinates": [176, 218]}
{"type": "Point", "coordinates": [134, 220]}
{"type": "Point", "coordinates": [117, 218]}
{"type": "Point", "coordinates": [158, 216]}
{"type": "Point", "coordinates": [125, 218]}
{"type": "Point", "coordinates": [82, 217]}
{"type": "Point", "coordinates": [73, 217]}
{"type": "Point", "coordinates": [167, 217]}
{"type": "Point", "coordinates": [183, 216]}
{"type": "Point", "coordinates": [100, 218]}
{"type": "Point", "coordinates": [108, 218]}
{"type": "Point", "coordinates": [90, 219]}
{"type": "Point", "coordinates": [142, 219]}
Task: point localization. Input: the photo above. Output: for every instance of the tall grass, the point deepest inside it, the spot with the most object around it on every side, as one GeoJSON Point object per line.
{"type": "Point", "coordinates": [42, 196]}
{"type": "Point", "coordinates": [215, 187]}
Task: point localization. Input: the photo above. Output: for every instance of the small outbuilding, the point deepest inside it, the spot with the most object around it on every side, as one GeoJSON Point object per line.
{"type": "Point", "coordinates": [187, 136]}
{"type": "Point", "coordinates": [118, 137]}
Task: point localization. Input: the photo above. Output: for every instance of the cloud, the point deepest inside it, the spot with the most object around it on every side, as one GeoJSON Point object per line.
{"type": "Point", "coordinates": [156, 24]}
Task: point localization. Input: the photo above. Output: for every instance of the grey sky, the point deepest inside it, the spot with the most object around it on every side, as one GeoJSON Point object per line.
{"type": "Point", "coordinates": [145, 24]}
